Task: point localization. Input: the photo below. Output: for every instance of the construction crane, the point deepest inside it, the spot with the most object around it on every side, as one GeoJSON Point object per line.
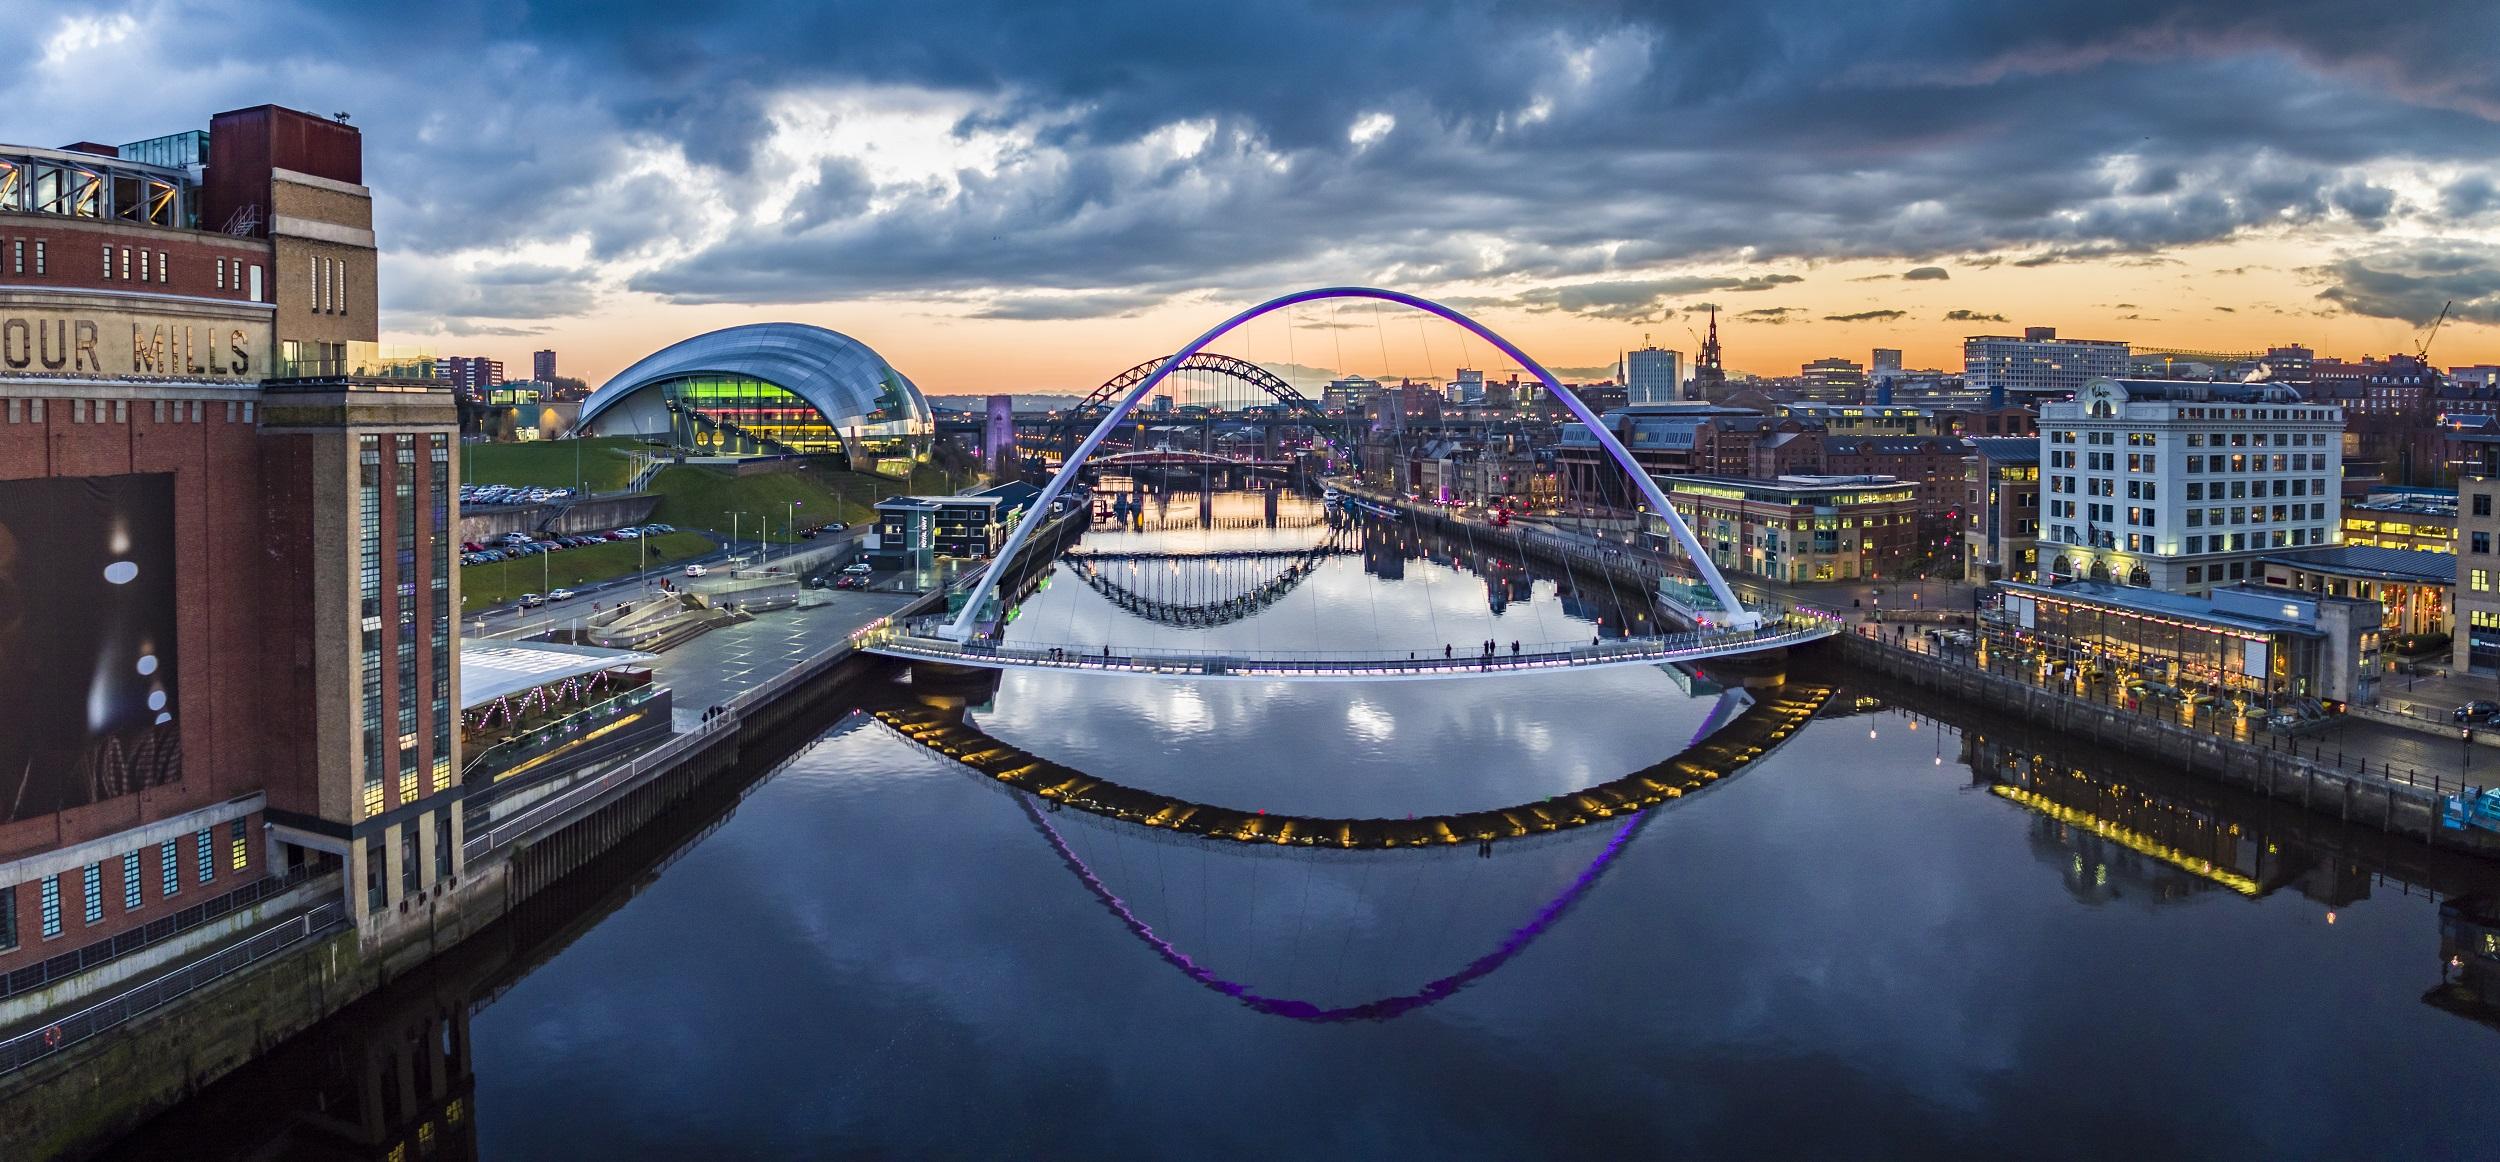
{"type": "Point", "coordinates": [2423, 351]}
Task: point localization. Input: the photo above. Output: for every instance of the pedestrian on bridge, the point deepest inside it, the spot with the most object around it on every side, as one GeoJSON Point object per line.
{"type": "Point", "coordinates": [1514, 647]}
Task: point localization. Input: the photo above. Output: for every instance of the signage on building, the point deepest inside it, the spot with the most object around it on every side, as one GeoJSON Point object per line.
{"type": "Point", "coordinates": [87, 635]}
{"type": "Point", "coordinates": [129, 344]}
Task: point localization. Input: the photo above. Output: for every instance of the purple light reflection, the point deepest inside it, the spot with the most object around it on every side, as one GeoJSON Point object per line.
{"type": "Point", "coordinates": [1383, 1009]}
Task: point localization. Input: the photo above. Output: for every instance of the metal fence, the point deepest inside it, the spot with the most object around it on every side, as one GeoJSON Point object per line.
{"type": "Point", "coordinates": [76, 961]}
{"type": "Point", "coordinates": [34, 1045]}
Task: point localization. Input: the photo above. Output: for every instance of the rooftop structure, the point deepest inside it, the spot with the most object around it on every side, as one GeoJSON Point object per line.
{"type": "Point", "coordinates": [768, 389]}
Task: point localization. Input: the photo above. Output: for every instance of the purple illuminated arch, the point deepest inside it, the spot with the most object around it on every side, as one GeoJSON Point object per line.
{"type": "Point", "coordinates": [1734, 612]}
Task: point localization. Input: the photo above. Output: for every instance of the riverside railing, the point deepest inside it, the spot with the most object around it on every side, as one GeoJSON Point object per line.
{"type": "Point", "coordinates": [34, 1045]}
{"type": "Point", "coordinates": [102, 952]}
{"type": "Point", "coordinates": [919, 638]}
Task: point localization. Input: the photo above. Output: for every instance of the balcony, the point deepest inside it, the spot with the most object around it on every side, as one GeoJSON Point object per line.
{"type": "Point", "coordinates": [352, 360]}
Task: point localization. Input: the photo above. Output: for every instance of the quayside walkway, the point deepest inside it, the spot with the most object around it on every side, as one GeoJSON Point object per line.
{"type": "Point", "coordinates": [921, 639]}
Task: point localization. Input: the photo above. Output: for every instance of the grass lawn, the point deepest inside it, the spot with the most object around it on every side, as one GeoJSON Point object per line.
{"type": "Point", "coordinates": [693, 497]}
{"type": "Point", "coordinates": [549, 463]}
{"type": "Point", "coordinates": [495, 584]}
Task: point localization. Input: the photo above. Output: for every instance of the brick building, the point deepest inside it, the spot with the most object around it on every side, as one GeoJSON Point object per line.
{"type": "Point", "coordinates": [206, 456]}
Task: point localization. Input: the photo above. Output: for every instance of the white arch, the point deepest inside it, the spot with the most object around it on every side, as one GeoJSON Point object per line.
{"type": "Point", "coordinates": [1736, 615]}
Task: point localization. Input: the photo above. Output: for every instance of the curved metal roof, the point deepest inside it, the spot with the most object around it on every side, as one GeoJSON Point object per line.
{"type": "Point", "coordinates": [840, 375]}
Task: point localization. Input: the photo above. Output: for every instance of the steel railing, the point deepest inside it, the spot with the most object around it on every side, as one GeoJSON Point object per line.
{"type": "Point", "coordinates": [100, 953]}
{"type": "Point", "coordinates": [34, 1045]}
{"type": "Point", "coordinates": [918, 638]}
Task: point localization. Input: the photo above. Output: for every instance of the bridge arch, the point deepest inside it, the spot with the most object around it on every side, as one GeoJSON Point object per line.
{"type": "Point", "coordinates": [1733, 611]}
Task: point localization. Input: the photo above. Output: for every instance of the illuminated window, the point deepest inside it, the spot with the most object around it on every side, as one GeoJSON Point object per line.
{"type": "Point", "coordinates": [241, 851]}
{"type": "Point", "coordinates": [2480, 580]}
{"type": "Point", "coordinates": [39, 261]}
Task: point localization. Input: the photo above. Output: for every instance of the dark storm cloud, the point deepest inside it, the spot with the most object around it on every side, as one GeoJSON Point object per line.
{"type": "Point", "coordinates": [1107, 304]}
{"type": "Point", "coordinates": [2414, 281]}
{"type": "Point", "coordinates": [1923, 273]}
{"type": "Point", "coordinates": [2066, 131]}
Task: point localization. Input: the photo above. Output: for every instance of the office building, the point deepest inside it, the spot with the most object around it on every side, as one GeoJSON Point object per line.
{"type": "Point", "coordinates": [1468, 389]}
{"type": "Point", "coordinates": [1886, 361]}
{"type": "Point", "coordinates": [1832, 377]}
{"type": "Point", "coordinates": [1801, 528]}
{"type": "Point", "coordinates": [2001, 509]}
{"type": "Point", "coordinates": [2476, 597]}
{"type": "Point", "coordinates": [543, 366]}
{"type": "Point", "coordinates": [1653, 375]}
{"type": "Point", "coordinates": [2182, 486]}
{"type": "Point", "coordinates": [473, 376]}
{"type": "Point", "coordinates": [224, 510]}
{"type": "Point", "coordinates": [2039, 363]}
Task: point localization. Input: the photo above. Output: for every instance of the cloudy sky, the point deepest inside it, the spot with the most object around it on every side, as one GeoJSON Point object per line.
{"type": "Point", "coordinates": [1011, 194]}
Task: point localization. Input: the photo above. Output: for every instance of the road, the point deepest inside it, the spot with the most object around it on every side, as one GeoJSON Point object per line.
{"type": "Point", "coordinates": [510, 620]}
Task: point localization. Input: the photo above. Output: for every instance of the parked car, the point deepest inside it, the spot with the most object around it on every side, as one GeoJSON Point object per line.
{"type": "Point", "coordinates": [559, 595]}
{"type": "Point", "coordinates": [858, 569]}
{"type": "Point", "coordinates": [2478, 711]}
{"type": "Point", "coordinates": [532, 601]}
{"type": "Point", "coordinates": [695, 570]}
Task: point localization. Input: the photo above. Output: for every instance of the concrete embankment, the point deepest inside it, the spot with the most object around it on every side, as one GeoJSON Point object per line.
{"type": "Point", "coordinates": [150, 1057]}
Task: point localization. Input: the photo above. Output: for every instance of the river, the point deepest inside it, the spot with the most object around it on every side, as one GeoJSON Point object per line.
{"type": "Point", "coordinates": [1906, 932]}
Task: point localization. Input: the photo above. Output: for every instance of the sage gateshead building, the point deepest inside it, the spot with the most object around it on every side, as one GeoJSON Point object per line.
{"type": "Point", "coordinates": [769, 389]}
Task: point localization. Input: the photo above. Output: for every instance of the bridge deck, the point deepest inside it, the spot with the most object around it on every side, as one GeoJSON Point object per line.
{"type": "Point", "coordinates": [919, 641]}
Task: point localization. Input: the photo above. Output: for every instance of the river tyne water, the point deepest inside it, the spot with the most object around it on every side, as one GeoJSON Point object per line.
{"type": "Point", "coordinates": [1893, 936]}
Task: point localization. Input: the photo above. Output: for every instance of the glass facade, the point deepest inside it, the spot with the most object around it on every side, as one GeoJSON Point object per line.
{"type": "Point", "coordinates": [731, 415]}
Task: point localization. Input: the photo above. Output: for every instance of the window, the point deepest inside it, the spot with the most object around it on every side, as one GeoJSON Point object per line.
{"type": "Point", "coordinates": [207, 856]}
{"type": "Point", "coordinates": [8, 918]}
{"type": "Point", "coordinates": [51, 906]}
{"type": "Point", "coordinates": [240, 849]}
{"type": "Point", "coordinates": [408, 865]}
{"type": "Point", "coordinates": [39, 260]}
{"type": "Point", "coordinates": [160, 267]}
{"type": "Point", "coordinates": [130, 882]}
{"type": "Point", "coordinates": [377, 895]}
{"type": "Point", "coordinates": [91, 878]}
{"type": "Point", "coordinates": [2480, 581]}
{"type": "Point", "coordinates": [17, 256]}
{"type": "Point", "coordinates": [221, 274]}
{"type": "Point", "coordinates": [108, 262]}
{"type": "Point", "coordinates": [2482, 504]}
{"type": "Point", "coordinates": [2482, 542]}
{"type": "Point", "coordinates": [442, 846]}
{"type": "Point", "coordinates": [126, 263]}
{"type": "Point", "coordinates": [169, 867]}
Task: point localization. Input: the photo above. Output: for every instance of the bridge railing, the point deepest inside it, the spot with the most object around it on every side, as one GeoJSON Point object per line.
{"type": "Point", "coordinates": [921, 637]}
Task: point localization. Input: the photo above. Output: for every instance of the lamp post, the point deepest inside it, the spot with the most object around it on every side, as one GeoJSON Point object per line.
{"type": "Point", "coordinates": [733, 536]}
{"type": "Point", "coordinates": [790, 530]}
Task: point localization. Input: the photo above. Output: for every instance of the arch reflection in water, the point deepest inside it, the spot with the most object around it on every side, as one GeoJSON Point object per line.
{"type": "Point", "coordinates": [1382, 1009]}
{"type": "Point", "coordinates": [1777, 714]}
{"type": "Point", "coordinates": [1728, 740]}
{"type": "Point", "coordinates": [1203, 590]}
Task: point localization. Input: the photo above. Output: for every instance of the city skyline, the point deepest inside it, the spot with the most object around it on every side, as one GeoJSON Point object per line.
{"type": "Point", "coordinates": [977, 196]}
